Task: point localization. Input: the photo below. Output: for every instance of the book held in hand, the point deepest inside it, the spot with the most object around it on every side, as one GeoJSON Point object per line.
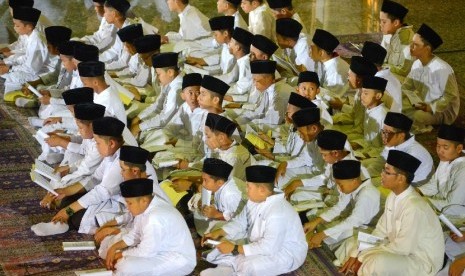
{"type": "Point", "coordinates": [78, 245]}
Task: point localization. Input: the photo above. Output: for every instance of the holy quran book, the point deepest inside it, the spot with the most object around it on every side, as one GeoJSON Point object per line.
{"type": "Point", "coordinates": [94, 272]}
{"type": "Point", "coordinates": [78, 246]}
{"type": "Point", "coordinates": [46, 170]}
{"type": "Point", "coordinates": [42, 182]}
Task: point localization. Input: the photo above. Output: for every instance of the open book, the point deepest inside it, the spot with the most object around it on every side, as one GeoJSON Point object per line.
{"type": "Point", "coordinates": [412, 97]}
{"type": "Point", "coordinates": [94, 272]}
{"type": "Point", "coordinates": [165, 159]}
{"type": "Point", "coordinates": [449, 224]}
{"type": "Point", "coordinates": [42, 182]}
{"type": "Point", "coordinates": [78, 245]}
{"type": "Point", "coordinates": [304, 206]}
{"type": "Point", "coordinates": [33, 90]}
{"type": "Point", "coordinates": [367, 240]}
{"type": "Point", "coordinates": [46, 170]}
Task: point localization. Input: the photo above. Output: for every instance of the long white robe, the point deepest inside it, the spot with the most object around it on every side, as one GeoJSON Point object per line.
{"type": "Point", "coordinates": [193, 25]}
{"type": "Point", "coordinates": [104, 37]}
{"type": "Point", "coordinates": [393, 89]}
{"type": "Point", "coordinates": [113, 105]}
{"type": "Point", "coordinates": [333, 78]}
{"type": "Point", "coordinates": [261, 21]}
{"type": "Point", "coordinates": [398, 56]}
{"type": "Point", "coordinates": [275, 239]}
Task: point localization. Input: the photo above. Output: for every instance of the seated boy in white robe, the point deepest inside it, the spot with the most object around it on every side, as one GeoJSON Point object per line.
{"type": "Point", "coordinates": [370, 143]}
{"type": "Point", "coordinates": [261, 19]}
{"type": "Point", "coordinates": [151, 247]}
{"type": "Point", "coordinates": [295, 45]}
{"type": "Point", "coordinates": [80, 159]}
{"type": "Point", "coordinates": [260, 223]}
{"type": "Point", "coordinates": [240, 77]}
{"type": "Point", "coordinates": [446, 189]}
{"type": "Point", "coordinates": [309, 162]}
{"type": "Point", "coordinates": [56, 36]}
{"type": "Point", "coordinates": [105, 36]}
{"type": "Point", "coordinates": [158, 114]}
{"type": "Point", "coordinates": [396, 135]}
{"type": "Point", "coordinates": [227, 190]}
{"type": "Point", "coordinates": [363, 205]}
{"type": "Point", "coordinates": [224, 62]}
{"type": "Point", "coordinates": [32, 63]}
{"type": "Point", "coordinates": [332, 69]}
{"type": "Point", "coordinates": [393, 95]}
{"type": "Point", "coordinates": [262, 48]}
{"type": "Point", "coordinates": [231, 8]}
{"type": "Point", "coordinates": [430, 91]}
{"type": "Point", "coordinates": [405, 248]}
{"type": "Point", "coordinates": [285, 9]}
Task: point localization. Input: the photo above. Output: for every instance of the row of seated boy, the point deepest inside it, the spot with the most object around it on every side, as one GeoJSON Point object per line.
{"type": "Point", "coordinates": [205, 130]}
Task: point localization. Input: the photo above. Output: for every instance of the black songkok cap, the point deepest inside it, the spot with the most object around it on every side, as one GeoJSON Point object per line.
{"type": "Point", "coordinates": [430, 35]}
{"type": "Point", "coordinates": [215, 85]}
{"type": "Point", "coordinates": [309, 76]}
{"type": "Point", "coordinates": [288, 27]}
{"type": "Point", "coordinates": [300, 101]}
{"type": "Point", "coordinates": [346, 169]}
{"type": "Point", "coordinates": [235, 2]}
{"type": "Point", "coordinates": [21, 3]}
{"type": "Point", "coordinates": [88, 111]}
{"type": "Point", "coordinates": [67, 47]}
{"type": "Point", "coordinates": [403, 161]}
{"type": "Point", "coordinates": [131, 32]}
{"type": "Point", "coordinates": [329, 139]}
{"type": "Point", "coordinates": [306, 117]}
{"type": "Point", "coordinates": [78, 95]}
{"type": "Point", "coordinates": [394, 8]}
{"type": "Point", "coordinates": [108, 126]}
{"type": "Point", "coordinates": [221, 23]}
{"type": "Point", "coordinates": [260, 174]}
{"type": "Point", "coordinates": [122, 6]}
{"type": "Point", "coordinates": [263, 67]}
{"type": "Point", "coordinates": [85, 52]}
{"type": "Point", "coordinates": [91, 69]}
{"type": "Point", "coordinates": [136, 187]}
{"type": "Point", "coordinates": [57, 35]}
{"type": "Point", "coordinates": [134, 155]}
{"type": "Point", "coordinates": [147, 43]}
{"type": "Point", "coordinates": [362, 66]}
{"type": "Point", "coordinates": [375, 83]}
{"type": "Point", "coordinates": [398, 120]}
{"type": "Point", "coordinates": [325, 40]}
{"type": "Point", "coordinates": [169, 59]}
{"type": "Point", "coordinates": [26, 14]}
{"type": "Point", "coordinates": [99, 1]}
{"type": "Point", "coordinates": [264, 44]}
{"type": "Point", "coordinates": [217, 167]}
{"type": "Point", "coordinates": [192, 79]}
{"type": "Point", "coordinates": [374, 52]}
{"type": "Point", "coordinates": [242, 36]}
{"type": "Point", "coordinates": [219, 123]}
{"type": "Point", "coordinates": [451, 133]}
{"type": "Point", "coordinates": [279, 4]}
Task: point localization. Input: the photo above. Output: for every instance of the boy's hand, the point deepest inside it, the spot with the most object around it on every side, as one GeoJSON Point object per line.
{"type": "Point", "coordinates": [228, 98]}
{"type": "Point", "coordinates": [104, 232]}
{"type": "Point", "coordinates": [135, 130]}
{"type": "Point", "coordinates": [280, 171]}
{"type": "Point", "coordinates": [215, 235]}
{"type": "Point", "coordinates": [423, 107]}
{"type": "Point", "coordinates": [310, 226]}
{"type": "Point", "coordinates": [61, 216]}
{"type": "Point", "coordinates": [44, 99]}
{"type": "Point", "coordinates": [290, 189]}
{"type": "Point", "coordinates": [225, 247]}
{"type": "Point", "coordinates": [456, 238]}
{"type": "Point", "coordinates": [52, 120]}
{"type": "Point", "coordinates": [351, 267]}
{"type": "Point", "coordinates": [211, 212]}
{"type": "Point", "coordinates": [63, 170]}
{"type": "Point", "coordinates": [315, 240]}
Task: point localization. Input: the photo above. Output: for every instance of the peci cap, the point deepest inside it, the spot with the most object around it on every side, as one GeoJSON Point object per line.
{"type": "Point", "coordinates": [78, 95]}
{"type": "Point", "coordinates": [451, 133]}
{"type": "Point", "coordinates": [108, 126]}
{"type": "Point", "coordinates": [308, 76]}
{"type": "Point", "coordinates": [403, 161]}
{"type": "Point", "coordinates": [374, 52]}
{"type": "Point", "coordinates": [288, 27]}
{"type": "Point", "coordinates": [134, 155]}
{"type": "Point", "coordinates": [219, 123]}
{"type": "Point", "coordinates": [331, 140]}
{"type": "Point", "coordinates": [430, 35]}
{"type": "Point", "coordinates": [217, 167]}
{"type": "Point", "coordinates": [398, 120]}
{"type": "Point", "coordinates": [215, 85]}
{"type": "Point", "coordinates": [346, 169]}
{"type": "Point", "coordinates": [394, 8]}
{"type": "Point", "coordinates": [136, 187]}
{"type": "Point", "coordinates": [130, 33]}
{"type": "Point", "coordinates": [300, 101]}
{"type": "Point", "coordinates": [362, 66]}
{"type": "Point", "coordinates": [88, 111]}
{"type": "Point", "coordinates": [91, 69]}
{"type": "Point", "coordinates": [192, 79]}
{"type": "Point", "coordinates": [162, 60]}
{"type": "Point", "coordinates": [325, 40]}
{"type": "Point", "coordinates": [264, 44]}
{"type": "Point", "coordinates": [306, 117]}
{"type": "Point", "coordinates": [147, 43]}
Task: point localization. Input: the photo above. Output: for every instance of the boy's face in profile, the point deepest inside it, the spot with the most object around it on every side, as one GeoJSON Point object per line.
{"type": "Point", "coordinates": [209, 183]}
{"type": "Point", "coordinates": [103, 146]}
{"type": "Point", "coordinates": [308, 90]}
{"type": "Point", "coordinates": [205, 99]}
{"type": "Point", "coordinates": [253, 191]}
{"type": "Point", "coordinates": [181, 185]}
{"type": "Point", "coordinates": [164, 76]}
{"type": "Point", "coordinates": [347, 186]}
{"type": "Point", "coordinates": [256, 54]}
{"type": "Point", "coordinates": [307, 133]}
{"type": "Point", "coordinates": [447, 150]}
{"type": "Point", "coordinates": [291, 109]}
{"type": "Point", "coordinates": [99, 10]}
{"type": "Point", "coordinates": [220, 36]}
{"type": "Point", "coordinates": [129, 173]}
{"type": "Point", "coordinates": [262, 81]}
{"type": "Point", "coordinates": [386, 25]}
{"type": "Point", "coordinates": [109, 14]}
{"type": "Point", "coordinates": [135, 205]}
{"type": "Point", "coordinates": [370, 98]}
{"type": "Point", "coordinates": [21, 28]}
{"type": "Point", "coordinates": [329, 156]}
{"type": "Point", "coordinates": [85, 130]}
{"type": "Point", "coordinates": [247, 6]}
{"type": "Point", "coordinates": [130, 48]}
{"type": "Point", "coordinates": [67, 63]}
{"type": "Point", "coordinates": [190, 95]}
{"type": "Point", "coordinates": [52, 50]}
{"type": "Point", "coordinates": [211, 139]}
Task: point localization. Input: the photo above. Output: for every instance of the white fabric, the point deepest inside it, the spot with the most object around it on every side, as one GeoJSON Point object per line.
{"type": "Point", "coordinates": [136, 74]}
{"type": "Point", "coordinates": [240, 77]}
{"type": "Point", "coordinates": [193, 25]}
{"type": "Point", "coordinates": [112, 102]}
{"type": "Point", "coordinates": [116, 49]}
{"type": "Point", "coordinates": [393, 89]}
{"type": "Point", "coordinates": [301, 50]}
{"type": "Point", "coordinates": [261, 21]}
{"type": "Point", "coordinates": [333, 77]}
{"type": "Point", "coordinates": [397, 46]}
{"type": "Point", "coordinates": [228, 197]}
{"type": "Point", "coordinates": [104, 37]}
{"type": "Point", "coordinates": [237, 156]}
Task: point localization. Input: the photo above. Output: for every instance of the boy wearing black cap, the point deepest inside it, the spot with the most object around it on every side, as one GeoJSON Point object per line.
{"type": "Point", "coordinates": [219, 133]}
{"type": "Point", "coordinates": [262, 48]}
{"type": "Point", "coordinates": [309, 162]}
{"type": "Point", "coordinates": [193, 26]}
{"type": "Point", "coordinates": [151, 247]}
{"type": "Point", "coordinates": [261, 19]}
{"type": "Point", "coordinates": [240, 78]}
{"type": "Point", "coordinates": [32, 64]}
{"type": "Point", "coordinates": [294, 43]}
{"type": "Point", "coordinates": [446, 188]}
{"type": "Point", "coordinates": [267, 219]}
{"type": "Point", "coordinates": [308, 86]}
{"type": "Point", "coordinates": [78, 210]}
{"type": "Point", "coordinates": [432, 81]}
{"type": "Point", "coordinates": [228, 192]}
{"type": "Point", "coordinates": [376, 54]}
{"type": "Point", "coordinates": [115, 14]}
{"type": "Point", "coordinates": [126, 35]}
{"type": "Point", "coordinates": [222, 63]}
{"type": "Point", "coordinates": [105, 36]}
{"type": "Point", "coordinates": [80, 160]}
{"type": "Point", "coordinates": [396, 135]}
{"type": "Point", "coordinates": [397, 37]}
{"type": "Point", "coordinates": [284, 9]}
{"type": "Point", "coordinates": [231, 8]}
{"type": "Point", "coordinates": [92, 74]}
{"type": "Point", "coordinates": [158, 114]}
{"type": "Point", "coordinates": [332, 69]}
{"type": "Point", "coordinates": [409, 247]}
{"type": "Point", "coordinates": [375, 112]}
{"type": "Point", "coordinates": [363, 203]}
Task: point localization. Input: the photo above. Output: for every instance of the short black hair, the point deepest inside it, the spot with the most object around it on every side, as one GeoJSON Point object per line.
{"type": "Point", "coordinates": [409, 176]}
{"type": "Point", "coordinates": [393, 17]}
